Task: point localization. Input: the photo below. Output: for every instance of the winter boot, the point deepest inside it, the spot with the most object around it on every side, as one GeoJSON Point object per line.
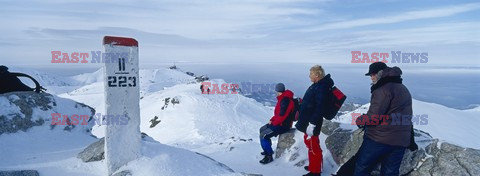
{"type": "Point", "coordinates": [263, 153]}
{"type": "Point", "coordinates": [267, 159]}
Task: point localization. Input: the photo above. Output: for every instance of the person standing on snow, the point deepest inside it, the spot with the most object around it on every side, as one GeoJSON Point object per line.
{"type": "Point", "coordinates": [310, 118]}
{"type": "Point", "coordinates": [281, 121]}
{"type": "Point", "coordinates": [386, 141]}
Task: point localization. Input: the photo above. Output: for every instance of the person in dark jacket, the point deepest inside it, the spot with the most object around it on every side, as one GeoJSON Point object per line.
{"type": "Point", "coordinates": [310, 118]}
{"type": "Point", "coordinates": [387, 123]}
{"type": "Point", "coordinates": [281, 121]}
{"type": "Point", "coordinates": [9, 82]}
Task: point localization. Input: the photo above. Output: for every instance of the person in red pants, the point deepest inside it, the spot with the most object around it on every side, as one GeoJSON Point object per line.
{"type": "Point", "coordinates": [310, 118]}
{"type": "Point", "coordinates": [315, 157]}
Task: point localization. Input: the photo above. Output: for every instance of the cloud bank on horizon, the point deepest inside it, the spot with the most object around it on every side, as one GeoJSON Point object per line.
{"type": "Point", "coordinates": [246, 31]}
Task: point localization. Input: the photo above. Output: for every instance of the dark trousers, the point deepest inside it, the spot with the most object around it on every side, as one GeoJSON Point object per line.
{"type": "Point", "coordinates": [371, 152]}
{"type": "Point", "coordinates": [266, 133]}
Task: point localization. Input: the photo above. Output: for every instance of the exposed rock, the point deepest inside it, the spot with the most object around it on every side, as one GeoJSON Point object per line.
{"type": "Point", "coordinates": [432, 157]}
{"type": "Point", "coordinates": [29, 109]}
{"type": "Point", "coordinates": [340, 145]}
{"type": "Point", "coordinates": [290, 146]}
{"type": "Point", "coordinates": [20, 173]}
{"type": "Point", "coordinates": [94, 152]}
{"type": "Point", "coordinates": [175, 100]}
{"type": "Point", "coordinates": [285, 142]}
{"type": "Point", "coordinates": [201, 78]}
{"type": "Point", "coordinates": [329, 127]}
{"type": "Point", "coordinates": [449, 159]}
{"type": "Point", "coordinates": [166, 100]}
{"type": "Point", "coordinates": [245, 174]}
{"type": "Point", "coordinates": [154, 122]}
{"type": "Point", "coordinates": [348, 107]}
{"type": "Point", "coordinates": [25, 101]}
{"type": "Point", "coordinates": [123, 173]}
{"type": "Point", "coordinates": [343, 144]}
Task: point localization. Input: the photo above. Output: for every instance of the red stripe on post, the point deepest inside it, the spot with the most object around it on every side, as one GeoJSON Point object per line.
{"type": "Point", "coordinates": [122, 41]}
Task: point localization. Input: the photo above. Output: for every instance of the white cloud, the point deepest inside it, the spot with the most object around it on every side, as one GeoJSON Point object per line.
{"type": "Point", "coordinates": [439, 34]}
{"type": "Point", "coordinates": [193, 19]}
{"type": "Point", "coordinates": [407, 16]}
{"type": "Point", "coordinates": [235, 30]}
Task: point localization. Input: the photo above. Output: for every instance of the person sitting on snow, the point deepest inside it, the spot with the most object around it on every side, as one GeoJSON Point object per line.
{"type": "Point", "coordinates": [281, 121]}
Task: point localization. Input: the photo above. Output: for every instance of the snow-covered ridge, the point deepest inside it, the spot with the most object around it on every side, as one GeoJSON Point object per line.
{"type": "Point", "coordinates": [44, 79]}
{"type": "Point", "coordinates": [28, 141]}
{"type": "Point", "coordinates": [225, 126]}
{"type": "Point", "coordinates": [27, 135]}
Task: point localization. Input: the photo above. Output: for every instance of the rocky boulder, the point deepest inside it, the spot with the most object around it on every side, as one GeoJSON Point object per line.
{"type": "Point", "coordinates": [23, 110]}
{"type": "Point", "coordinates": [20, 173]}
{"type": "Point", "coordinates": [448, 159]}
{"type": "Point", "coordinates": [94, 152]}
{"type": "Point", "coordinates": [285, 142]}
{"type": "Point", "coordinates": [290, 146]}
{"type": "Point", "coordinates": [432, 157]}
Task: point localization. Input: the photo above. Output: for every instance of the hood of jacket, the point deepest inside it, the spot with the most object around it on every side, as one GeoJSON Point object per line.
{"type": "Point", "coordinates": [286, 94]}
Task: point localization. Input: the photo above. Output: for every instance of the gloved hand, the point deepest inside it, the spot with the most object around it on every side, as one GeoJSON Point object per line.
{"type": "Point", "coordinates": [310, 129]}
{"type": "Point", "coordinates": [359, 120]}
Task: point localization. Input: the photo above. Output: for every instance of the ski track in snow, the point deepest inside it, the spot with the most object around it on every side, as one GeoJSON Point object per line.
{"type": "Point", "coordinates": [235, 111]}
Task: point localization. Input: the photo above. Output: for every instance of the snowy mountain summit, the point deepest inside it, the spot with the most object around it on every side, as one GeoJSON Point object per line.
{"type": "Point", "coordinates": [187, 132]}
{"type": "Point", "coordinates": [31, 144]}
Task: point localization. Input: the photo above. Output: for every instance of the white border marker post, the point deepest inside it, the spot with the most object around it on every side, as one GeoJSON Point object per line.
{"type": "Point", "coordinates": [122, 93]}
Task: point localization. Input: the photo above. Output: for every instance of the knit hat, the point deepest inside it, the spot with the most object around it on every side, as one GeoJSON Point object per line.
{"type": "Point", "coordinates": [280, 87]}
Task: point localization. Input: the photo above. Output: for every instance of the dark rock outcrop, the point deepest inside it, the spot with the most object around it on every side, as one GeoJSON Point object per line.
{"type": "Point", "coordinates": [123, 173]}
{"type": "Point", "coordinates": [432, 158]}
{"type": "Point", "coordinates": [94, 152]}
{"type": "Point", "coordinates": [20, 173]}
{"type": "Point", "coordinates": [29, 109]}
{"type": "Point", "coordinates": [285, 142]}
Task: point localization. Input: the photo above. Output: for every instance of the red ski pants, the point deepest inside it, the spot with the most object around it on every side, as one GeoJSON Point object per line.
{"type": "Point", "coordinates": [315, 157]}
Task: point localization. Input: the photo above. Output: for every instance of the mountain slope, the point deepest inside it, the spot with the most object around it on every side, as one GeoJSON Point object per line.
{"type": "Point", "coordinates": [225, 126]}
{"type": "Point", "coordinates": [28, 141]}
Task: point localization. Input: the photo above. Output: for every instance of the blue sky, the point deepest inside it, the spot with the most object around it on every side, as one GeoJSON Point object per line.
{"type": "Point", "coordinates": [243, 31]}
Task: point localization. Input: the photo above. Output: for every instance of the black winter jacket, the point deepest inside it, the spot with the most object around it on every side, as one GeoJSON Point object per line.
{"type": "Point", "coordinates": [313, 105]}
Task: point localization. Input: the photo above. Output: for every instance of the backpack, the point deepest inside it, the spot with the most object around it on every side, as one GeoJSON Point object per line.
{"type": "Point", "coordinates": [293, 116]}
{"type": "Point", "coordinates": [9, 82]}
{"type": "Point", "coordinates": [297, 102]}
{"type": "Point", "coordinates": [334, 102]}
